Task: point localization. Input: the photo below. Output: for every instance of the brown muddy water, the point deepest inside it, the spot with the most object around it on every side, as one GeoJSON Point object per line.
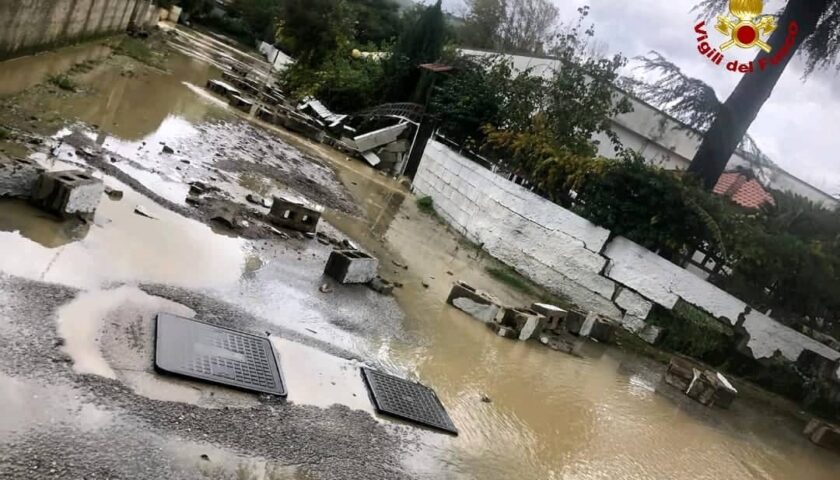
{"type": "Point", "coordinates": [599, 414]}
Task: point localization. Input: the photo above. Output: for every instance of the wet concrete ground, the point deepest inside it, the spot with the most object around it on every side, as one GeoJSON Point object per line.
{"type": "Point", "coordinates": [77, 305]}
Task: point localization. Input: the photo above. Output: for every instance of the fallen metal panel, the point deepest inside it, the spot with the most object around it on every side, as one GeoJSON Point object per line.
{"type": "Point", "coordinates": [407, 400]}
{"type": "Point", "coordinates": [216, 354]}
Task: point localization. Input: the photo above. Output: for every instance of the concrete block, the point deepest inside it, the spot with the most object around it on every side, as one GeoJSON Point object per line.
{"type": "Point", "coordinates": [294, 216]}
{"type": "Point", "coordinates": [525, 322]}
{"type": "Point", "coordinates": [475, 303]}
{"type": "Point", "coordinates": [554, 316]}
{"type": "Point", "coordinates": [18, 177]}
{"type": "Point", "coordinates": [824, 434]}
{"type": "Point", "coordinates": [351, 266]}
{"type": "Point", "coordinates": [702, 387]}
{"type": "Point", "coordinates": [68, 193]}
{"type": "Point", "coordinates": [680, 372]}
{"type": "Point", "coordinates": [726, 392]}
{"type": "Point", "coordinates": [574, 321]}
{"type": "Point", "coordinates": [503, 331]}
{"type": "Point", "coordinates": [241, 103]}
{"type": "Point", "coordinates": [222, 88]}
{"type": "Point", "coordinates": [633, 304]}
{"type": "Point", "coordinates": [598, 328]}
{"type": "Point", "coordinates": [650, 334]}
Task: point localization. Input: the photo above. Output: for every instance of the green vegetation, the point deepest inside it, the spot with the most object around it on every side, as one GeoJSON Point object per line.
{"type": "Point", "coordinates": [693, 332]}
{"type": "Point", "coordinates": [426, 205]}
{"type": "Point", "coordinates": [5, 133]}
{"type": "Point", "coordinates": [138, 50]}
{"type": "Point", "coordinates": [513, 279]}
{"type": "Point", "coordinates": [63, 82]}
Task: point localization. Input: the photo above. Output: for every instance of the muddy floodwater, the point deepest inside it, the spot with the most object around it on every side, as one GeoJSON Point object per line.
{"type": "Point", "coordinates": [601, 413]}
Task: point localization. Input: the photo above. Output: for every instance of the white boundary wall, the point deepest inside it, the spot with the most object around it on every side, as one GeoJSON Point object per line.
{"type": "Point", "coordinates": [573, 257]}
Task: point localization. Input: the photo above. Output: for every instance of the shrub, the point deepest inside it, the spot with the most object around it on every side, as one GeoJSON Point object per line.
{"type": "Point", "coordinates": [63, 82]}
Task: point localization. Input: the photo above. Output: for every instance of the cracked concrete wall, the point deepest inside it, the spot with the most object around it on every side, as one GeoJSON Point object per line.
{"type": "Point", "coordinates": [550, 245]}
{"type": "Point", "coordinates": [28, 26]}
{"type": "Point", "coordinates": [570, 256]}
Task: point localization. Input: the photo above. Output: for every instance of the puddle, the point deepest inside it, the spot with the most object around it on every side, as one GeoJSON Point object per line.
{"type": "Point", "coordinates": [121, 246]}
{"type": "Point", "coordinates": [316, 378]}
{"type": "Point", "coordinates": [31, 405]}
{"type": "Point", "coordinates": [213, 463]}
{"type": "Point", "coordinates": [21, 73]}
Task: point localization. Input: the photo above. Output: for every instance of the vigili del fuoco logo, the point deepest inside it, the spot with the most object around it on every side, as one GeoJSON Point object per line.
{"type": "Point", "coordinates": [746, 27]}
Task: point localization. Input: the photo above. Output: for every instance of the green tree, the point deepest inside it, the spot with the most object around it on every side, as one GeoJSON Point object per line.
{"type": "Point", "coordinates": [421, 41]}
{"type": "Point", "coordinates": [311, 30]}
{"type": "Point", "coordinates": [817, 39]}
{"type": "Point", "coordinates": [374, 21]}
{"type": "Point", "coordinates": [483, 23]}
{"type": "Point", "coordinates": [259, 15]}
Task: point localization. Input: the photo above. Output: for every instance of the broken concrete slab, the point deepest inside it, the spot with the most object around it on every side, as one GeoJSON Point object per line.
{"type": "Point", "coordinates": [294, 216]}
{"type": "Point", "coordinates": [554, 316]}
{"type": "Point", "coordinates": [18, 177]}
{"type": "Point", "coordinates": [479, 305]}
{"type": "Point", "coordinates": [351, 266]}
{"type": "Point", "coordinates": [68, 193]}
{"type": "Point", "coordinates": [633, 304]}
{"type": "Point", "coordinates": [378, 138]}
{"type": "Point", "coordinates": [371, 158]}
{"type": "Point", "coordinates": [823, 434]}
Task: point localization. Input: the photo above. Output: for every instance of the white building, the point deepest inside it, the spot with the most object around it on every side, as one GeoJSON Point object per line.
{"type": "Point", "coordinates": [664, 140]}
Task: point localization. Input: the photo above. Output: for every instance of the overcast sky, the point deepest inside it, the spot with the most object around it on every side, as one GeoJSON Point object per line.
{"type": "Point", "coordinates": [798, 128]}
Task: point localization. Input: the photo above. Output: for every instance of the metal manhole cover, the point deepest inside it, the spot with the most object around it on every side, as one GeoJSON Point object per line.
{"type": "Point", "coordinates": [407, 400]}
{"type": "Point", "coordinates": [216, 354]}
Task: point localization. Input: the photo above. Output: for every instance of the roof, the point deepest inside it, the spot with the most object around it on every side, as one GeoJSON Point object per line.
{"type": "Point", "coordinates": [743, 190]}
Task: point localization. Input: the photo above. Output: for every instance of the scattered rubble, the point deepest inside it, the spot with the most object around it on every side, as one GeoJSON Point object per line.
{"type": "Point", "coordinates": [351, 266]}
{"type": "Point", "coordinates": [167, 149]}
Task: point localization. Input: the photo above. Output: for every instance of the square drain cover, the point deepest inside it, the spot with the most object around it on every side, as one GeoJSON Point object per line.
{"type": "Point", "coordinates": [407, 400]}
{"type": "Point", "coordinates": [216, 354]}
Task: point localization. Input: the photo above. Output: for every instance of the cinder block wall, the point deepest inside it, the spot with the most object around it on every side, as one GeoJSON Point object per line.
{"type": "Point", "coordinates": [28, 26]}
{"type": "Point", "coordinates": [575, 258]}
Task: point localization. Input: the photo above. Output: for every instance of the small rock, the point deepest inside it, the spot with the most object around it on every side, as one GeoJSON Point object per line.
{"type": "Point", "coordinates": [139, 210]}
{"type": "Point", "coordinates": [398, 264]}
{"type": "Point", "coordinates": [255, 199]}
{"type": "Point", "coordinates": [309, 235]}
{"type": "Point", "coordinates": [325, 288]}
{"type": "Point", "coordinates": [449, 273]}
{"type": "Point", "coordinates": [205, 457]}
{"type": "Point", "coordinates": [381, 285]}
{"type": "Point", "coordinates": [194, 201]}
{"type": "Point", "coordinates": [113, 194]}
{"type": "Point", "coordinates": [167, 149]}
{"type": "Point", "coordinates": [184, 160]}
{"type": "Point", "coordinates": [59, 342]}
{"type": "Point", "coordinates": [485, 399]}
{"type": "Point", "coordinates": [425, 283]}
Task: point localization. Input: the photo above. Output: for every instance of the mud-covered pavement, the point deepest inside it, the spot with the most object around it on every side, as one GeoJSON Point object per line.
{"type": "Point", "coordinates": [77, 304]}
